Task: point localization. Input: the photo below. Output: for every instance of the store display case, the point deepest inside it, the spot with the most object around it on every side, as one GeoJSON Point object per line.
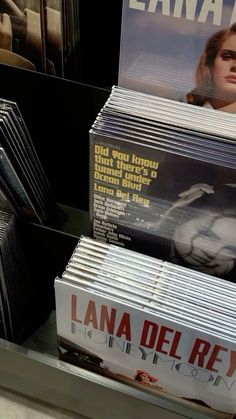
{"type": "Point", "coordinates": [59, 114]}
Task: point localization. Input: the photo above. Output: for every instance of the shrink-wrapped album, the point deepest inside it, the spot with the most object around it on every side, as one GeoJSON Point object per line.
{"type": "Point", "coordinates": [149, 323]}
{"type": "Point", "coordinates": [160, 185]}
{"type": "Point", "coordinates": [23, 182]}
{"type": "Point", "coordinates": [179, 49]}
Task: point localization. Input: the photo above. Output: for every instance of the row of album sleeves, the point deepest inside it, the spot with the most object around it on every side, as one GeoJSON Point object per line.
{"type": "Point", "coordinates": [24, 188]}
{"type": "Point", "coordinates": [41, 35]}
{"type": "Point", "coordinates": [138, 318]}
{"type": "Point", "coordinates": [16, 287]}
{"type": "Point", "coordinates": [163, 179]}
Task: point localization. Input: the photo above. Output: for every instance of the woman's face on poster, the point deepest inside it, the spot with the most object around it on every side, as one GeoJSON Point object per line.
{"type": "Point", "coordinates": [207, 243]}
{"type": "Point", "coordinates": [224, 70]}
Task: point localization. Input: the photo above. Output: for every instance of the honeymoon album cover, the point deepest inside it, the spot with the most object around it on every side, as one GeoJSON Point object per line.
{"type": "Point", "coordinates": [127, 343]}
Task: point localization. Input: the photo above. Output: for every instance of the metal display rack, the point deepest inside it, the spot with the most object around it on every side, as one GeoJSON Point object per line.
{"type": "Point", "coordinates": [44, 377]}
{"type": "Point", "coordinates": [59, 114]}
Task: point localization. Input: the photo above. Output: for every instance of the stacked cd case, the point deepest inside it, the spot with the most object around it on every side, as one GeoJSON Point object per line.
{"type": "Point", "coordinates": [123, 312]}
{"type": "Point", "coordinates": [162, 180]}
{"type": "Point", "coordinates": [16, 287]}
{"type": "Point", "coordinates": [41, 35]}
{"type": "Point", "coordinates": [22, 179]}
{"type": "Point", "coordinates": [71, 39]}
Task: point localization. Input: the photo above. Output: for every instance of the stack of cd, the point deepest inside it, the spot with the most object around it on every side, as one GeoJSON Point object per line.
{"type": "Point", "coordinates": [22, 179]}
{"type": "Point", "coordinates": [135, 312]}
{"type": "Point", "coordinates": [71, 39]}
{"type": "Point", "coordinates": [60, 29]}
{"type": "Point", "coordinates": [162, 180]}
{"type": "Point", "coordinates": [16, 288]}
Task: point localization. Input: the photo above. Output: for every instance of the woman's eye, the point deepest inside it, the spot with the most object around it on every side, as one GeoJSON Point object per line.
{"type": "Point", "coordinates": [226, 56]}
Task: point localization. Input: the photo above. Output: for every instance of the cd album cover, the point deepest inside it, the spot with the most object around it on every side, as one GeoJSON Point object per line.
{"type": "Point", "coordinates": [182, 50]}
{"type": "Point", "coordinates": [163, 204]}
{"type": "Point", "coordinates": [163, 179]}
{"type": "Point", "coordinates": [116, 339]}
{"type": "Point", "coordinates": [22, 178]}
